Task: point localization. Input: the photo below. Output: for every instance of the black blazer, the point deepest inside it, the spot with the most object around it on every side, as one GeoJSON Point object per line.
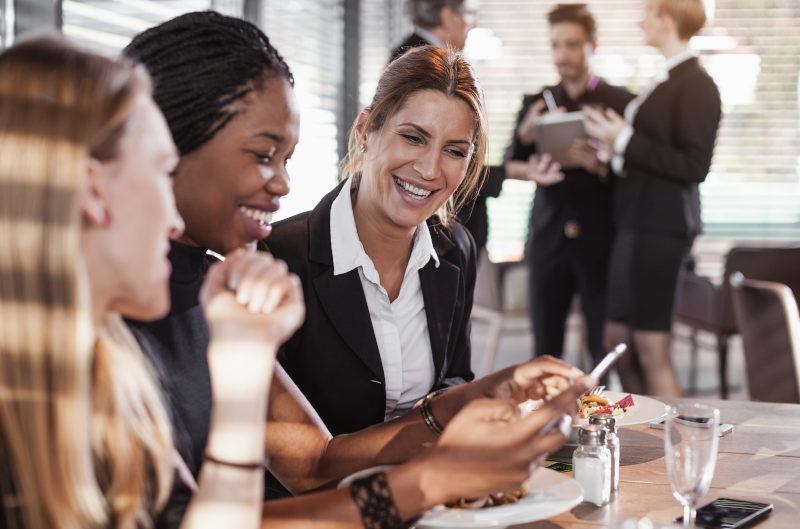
{"type": "Point", "coordinates": [669, 154]}
{"type": "Point", "coordinates": [412, 41]}
{"type": "Point", "coordinates": [582, 196]}
{"type": "Point", "coordinates": [334, 357]}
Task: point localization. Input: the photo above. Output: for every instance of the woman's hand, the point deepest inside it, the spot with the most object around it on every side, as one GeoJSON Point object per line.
{"type": "Point", "coordinates": [584, 154]}
{"type": "Point", "coordinates": [539, 169]}
{"type": "Point", "coordinates": [487, 448]}
{"type": "Point", "coordinates": [603, 126]}
{"type": "Point", "coordinates": [252, 296]}
{"type": "Point", "coordinates": [543, 377]}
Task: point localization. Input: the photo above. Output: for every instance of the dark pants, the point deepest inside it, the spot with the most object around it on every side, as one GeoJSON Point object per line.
{"type": "Point", "coordinates": [553, 280]}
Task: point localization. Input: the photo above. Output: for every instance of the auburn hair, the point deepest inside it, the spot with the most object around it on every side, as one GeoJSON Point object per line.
{"type": "Point", "coordinates": [689, 15]}
{"type": "Point", "coordinates": [442, 70]}
{"type": "Point", "coordinates": [84, 436]}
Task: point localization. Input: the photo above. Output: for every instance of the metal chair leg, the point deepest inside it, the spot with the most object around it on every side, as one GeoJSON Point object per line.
{"type": "Point", "coordinates": [722, 348]}
{"type": "Point", "coordinates": [492, 344]}
{"type": "Point", "coordinates": [693, 367]}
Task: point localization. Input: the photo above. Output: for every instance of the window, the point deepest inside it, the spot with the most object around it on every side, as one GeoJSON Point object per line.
{"type": "Point", "coordinates": [309, 35]}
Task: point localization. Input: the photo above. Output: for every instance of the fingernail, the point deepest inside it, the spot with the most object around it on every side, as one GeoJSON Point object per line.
{"type": "Point", "coordinates": [242, 298]}
{"type": "Point", "coordinates": [254, 308]}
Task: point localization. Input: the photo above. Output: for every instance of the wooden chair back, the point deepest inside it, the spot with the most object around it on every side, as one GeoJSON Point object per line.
{"type": "Point", "coordinates": [767, 317]}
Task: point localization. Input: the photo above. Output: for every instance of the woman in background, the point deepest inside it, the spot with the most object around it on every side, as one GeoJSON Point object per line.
{"type": "Point", "coordinates": [86, 211]}
{"type": "Point", "coordinates": [662, 148]}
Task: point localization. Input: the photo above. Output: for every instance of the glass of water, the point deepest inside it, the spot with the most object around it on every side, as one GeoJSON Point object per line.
{"type": "Point", "coordinates": [690, 445]}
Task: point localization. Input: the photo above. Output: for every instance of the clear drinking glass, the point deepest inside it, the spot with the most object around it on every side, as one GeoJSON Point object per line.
{"type": "Point", "coordinates": [690, 445]}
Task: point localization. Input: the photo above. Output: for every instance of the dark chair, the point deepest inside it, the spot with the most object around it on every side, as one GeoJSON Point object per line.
{"type": "Point", "coordinates": [769, 322]}
{"type": "Point", "coordinates": [703, 305]}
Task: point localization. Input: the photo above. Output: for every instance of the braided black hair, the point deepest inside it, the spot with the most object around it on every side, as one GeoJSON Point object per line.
{"type": "Point", "coordinates": [200, 64]}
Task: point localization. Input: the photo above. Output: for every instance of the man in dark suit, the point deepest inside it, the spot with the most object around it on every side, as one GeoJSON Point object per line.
{"type": "Point", "coordinates": [442, 23]}
{"type": "Point", "coordinates": [571, 230]}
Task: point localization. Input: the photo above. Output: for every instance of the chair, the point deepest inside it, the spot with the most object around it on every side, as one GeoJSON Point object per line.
{"type": "Point", "coordinates": [703, 305]}
{"type": "Point", "coordinates": [769, 322]}
{"type": "Point", "coordinates": [496, 303]}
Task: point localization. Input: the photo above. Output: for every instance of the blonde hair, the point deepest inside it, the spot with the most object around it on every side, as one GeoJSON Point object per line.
{"type": "Point", "coordinates": [85, 436]}
{"type": "Point", "coordinates": [442, 70]}
{"type": "Point", "coordinates": [689, 15]}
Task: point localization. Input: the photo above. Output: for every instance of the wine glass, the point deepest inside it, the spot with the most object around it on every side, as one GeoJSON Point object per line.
{"type": "Point", "coordinates": [690, 445]}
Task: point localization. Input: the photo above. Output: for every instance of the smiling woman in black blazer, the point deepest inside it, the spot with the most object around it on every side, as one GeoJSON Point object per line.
{"type": "Point", "coordinates": [388, 277]}
{"type": "Point", "coordinates": [662, 149]}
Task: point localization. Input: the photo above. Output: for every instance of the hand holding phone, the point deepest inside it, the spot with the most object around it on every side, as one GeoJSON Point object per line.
{"type": "Point", "coordinates": [600, 370]}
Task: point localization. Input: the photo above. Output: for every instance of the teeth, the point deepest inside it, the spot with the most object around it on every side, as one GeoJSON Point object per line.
{"type": "Point", "coordinates": [413, 191]}
{"type": "Point", "coordinates": [262, 217]}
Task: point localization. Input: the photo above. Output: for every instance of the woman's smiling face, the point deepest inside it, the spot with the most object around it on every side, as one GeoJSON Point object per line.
{"type": "Point", "coordinates": [419, 158]}
{"type": "Point", "coordinates": [228, 188]}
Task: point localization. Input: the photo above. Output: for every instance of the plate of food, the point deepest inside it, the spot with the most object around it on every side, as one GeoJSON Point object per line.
{"type": "Point", "coordinates": [627, 409]}
{"type": "Point", "coordinates": [545, 494]}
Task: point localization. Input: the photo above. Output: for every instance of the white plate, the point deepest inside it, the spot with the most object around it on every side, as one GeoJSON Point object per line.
{"type": "Point", "coordinates": [644, 410]}
{"type": "Point", "coordinates": [550, 494]}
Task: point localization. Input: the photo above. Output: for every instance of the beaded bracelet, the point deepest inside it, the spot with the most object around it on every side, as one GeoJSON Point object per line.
{"type": "Point", "coordinates": [373, 497]}
{"type": "Point", "coordinates": [427, 416]}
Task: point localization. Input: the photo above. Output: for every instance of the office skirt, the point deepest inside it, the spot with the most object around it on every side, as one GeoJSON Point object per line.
{"type": "Point", "coordinates": [644, 274]}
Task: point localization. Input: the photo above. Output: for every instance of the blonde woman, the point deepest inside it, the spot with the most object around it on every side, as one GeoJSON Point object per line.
{"type": "Point", "coordinates": [662, 148]}
{"type": "Point", "coordinates": [86, 212]}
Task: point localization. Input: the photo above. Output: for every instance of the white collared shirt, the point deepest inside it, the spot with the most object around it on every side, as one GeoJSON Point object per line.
{"type": "Point", "coordinates": [401, 327]}
{"type": "Point", "coordinates": [624, 137]}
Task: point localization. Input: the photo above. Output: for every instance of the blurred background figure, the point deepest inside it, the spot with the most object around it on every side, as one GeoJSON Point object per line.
{"type": "Point", "coordinates": [571, 229]}
{"type": "Point", "coordinates": [439, 23]}
{"type": "Point", "coordinates": [662, 148]}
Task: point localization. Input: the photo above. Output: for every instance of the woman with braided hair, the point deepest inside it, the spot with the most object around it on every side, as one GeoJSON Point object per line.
{"type": "Point", "coordinates": [228, 99]}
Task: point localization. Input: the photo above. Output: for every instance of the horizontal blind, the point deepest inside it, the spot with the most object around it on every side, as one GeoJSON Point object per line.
{"type": "Point", "coordinates": [309, 35]}
{"type": "Point", "coordinates": [107, 26]}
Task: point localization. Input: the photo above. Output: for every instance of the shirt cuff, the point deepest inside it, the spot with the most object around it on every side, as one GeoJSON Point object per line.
{"type": "Point", "coordinates": [620, 144]}
{"type": "Point", "coordinates": [622, 140]}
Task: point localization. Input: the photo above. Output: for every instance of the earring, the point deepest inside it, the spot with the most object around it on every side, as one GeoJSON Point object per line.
{"type": "Point", "coordinates": [363, 148]}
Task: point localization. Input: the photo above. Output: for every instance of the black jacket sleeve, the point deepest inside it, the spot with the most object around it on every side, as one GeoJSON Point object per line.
{"type": "Point", "coordinates": [688, 156]}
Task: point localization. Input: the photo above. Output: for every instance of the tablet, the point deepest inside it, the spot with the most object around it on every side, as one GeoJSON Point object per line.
{"type": "Point", "coordinates": [557, 133]}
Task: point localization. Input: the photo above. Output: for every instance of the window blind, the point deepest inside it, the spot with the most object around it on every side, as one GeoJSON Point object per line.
{"type": "Point", "coordinates": [309, 35]}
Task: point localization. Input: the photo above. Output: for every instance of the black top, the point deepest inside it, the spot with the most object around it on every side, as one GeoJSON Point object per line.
{"type": "Point", "coordinates": [177, 345]}
{"type": "Point", "coordinates": [669, 154]}
{"type": "Point", "coordinates": [582, 196]}
{"type": "Point", "coordinates": [334, 358]}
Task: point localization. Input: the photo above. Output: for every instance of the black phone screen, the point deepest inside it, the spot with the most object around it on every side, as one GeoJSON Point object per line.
{"type": "Point", "coordinates": [729, 514]}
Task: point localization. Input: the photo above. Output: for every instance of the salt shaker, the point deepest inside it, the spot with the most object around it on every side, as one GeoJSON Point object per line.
{"type": "Point", "coordinates": [591, 465]}
{"type": "Point", "coordinates": [609, 424]}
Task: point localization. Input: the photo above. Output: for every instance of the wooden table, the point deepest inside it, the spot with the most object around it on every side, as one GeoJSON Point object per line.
{"type": "Point", "coordinates": [759, 461]}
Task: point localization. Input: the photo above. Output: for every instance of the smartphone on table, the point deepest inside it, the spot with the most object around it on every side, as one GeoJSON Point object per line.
{"type": "Point", "coordinates": [725, 513]}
